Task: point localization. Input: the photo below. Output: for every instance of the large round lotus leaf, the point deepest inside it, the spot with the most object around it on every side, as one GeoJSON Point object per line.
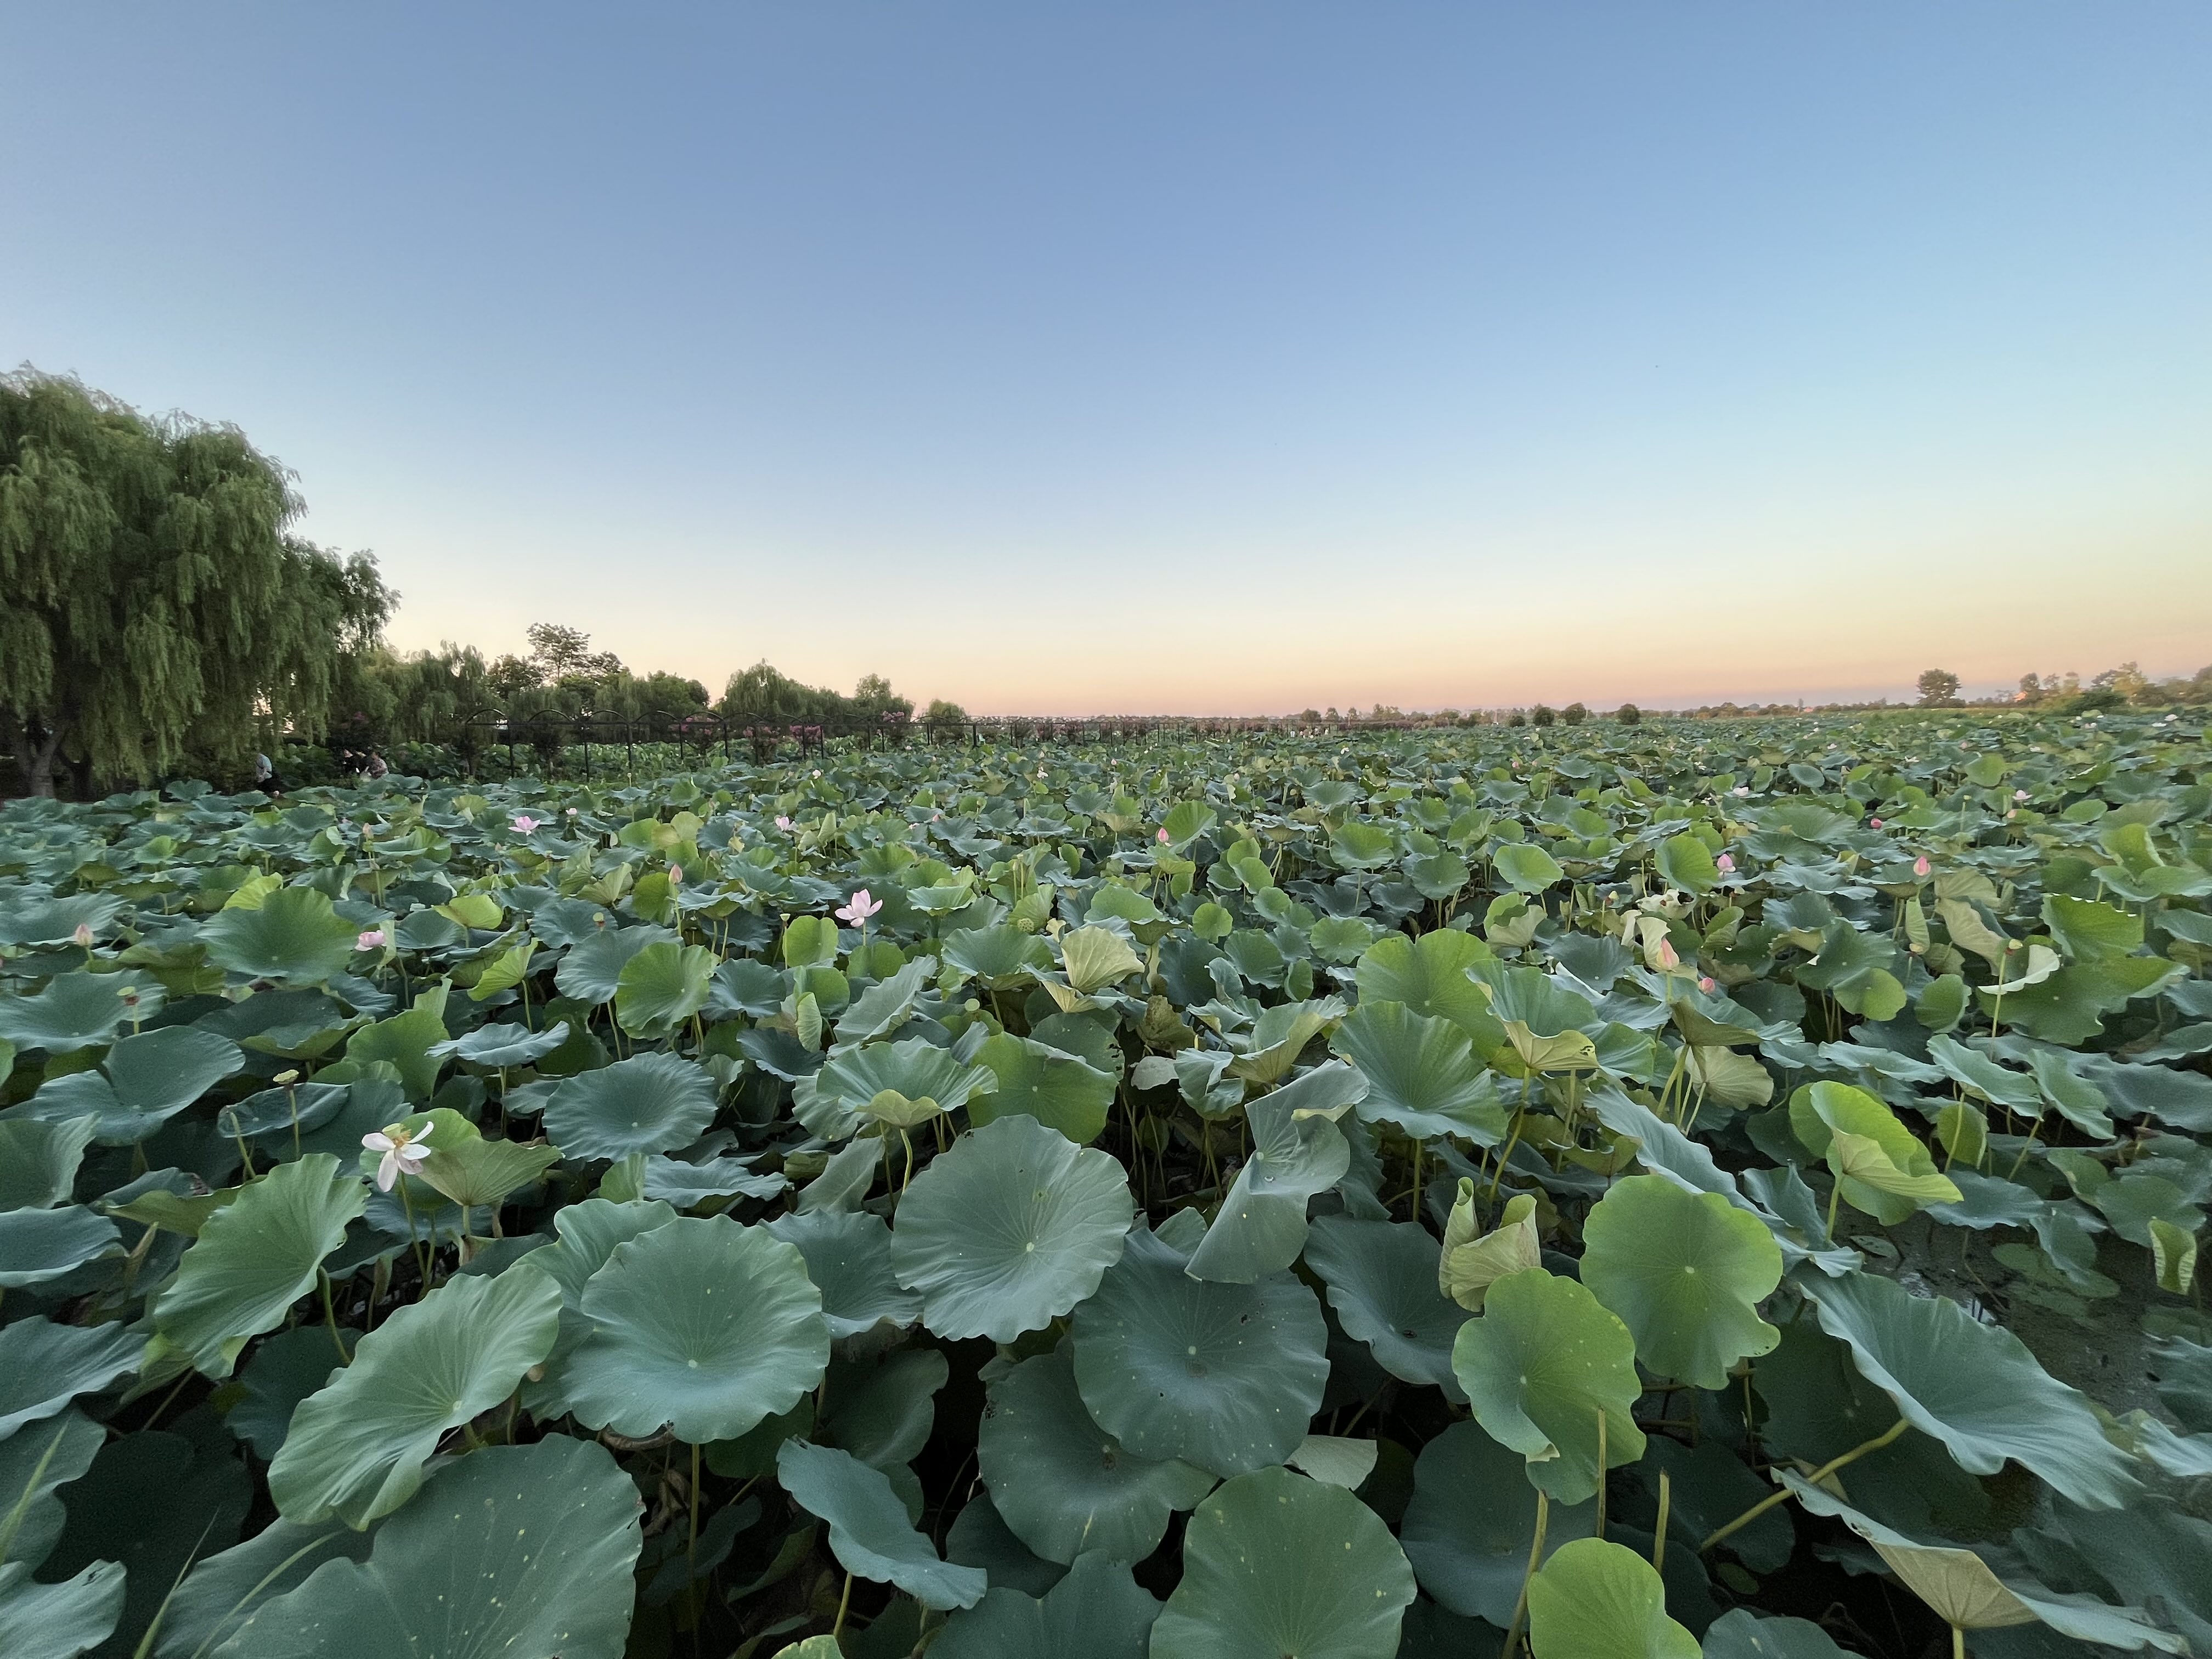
{"type": "Point", "coordinates": [1540, 1366]}
{"type": "Point", "coordinates": [156, 1074]}
{"type": "Point", "coordinates": [39, 1160]}
{"type": "Point", "coordinates": [647, 1104]}
{"type": "Point", "coordinates": [38, 1245]}
{"type": "Point", "coordinates": [59, 1621]}
{"type": "Point", "coordinates": [1472, 1518]}
{"type": "Point", "coordinates": [1422, 1074]}
{"type": "Point", "coordinates": [1009, 1230]}
{"type": "Point", "coordinates": [1061, 1091]}
{"type": "Point", "coordinates": [1525, 867]}
{"type": "Point", "coordinates": [511, 1550]}
{"type": "Point", "coordinates": [848, 1257]}
{"type": "Point", "coordinates": [1685, 1271]}
{"type": "Point", "coordinates": [1429, 975]}
{"type": "Point", "coordinates": [591, 971]}
{"type": "Point", "coordinates": [44, 1366]}
{"type": "Point", "coordinates": [661, 986]}
{"type": "Point", "coordinates": [1382, 1279]}
{"type": "Point", "coordinates": [357, 1446]}
{"type": "Point", "coordinates": [916, 1068]}
{"type": "Point", "coordinates": [869, 1532]}
{"type": "Point", "coordinates": [1974, 1387]}
{"type": "Point", "coordinates": [293, 936]}
{"type": "Point", "coordinates": [1298, 1151]}
{"type": "Point", "coordinates": [407, 1041]}
{"type": "Point", "coordinates": [503, 1044]}
{"type": "Point", "coordinates": [254, 1258]}
{"type": "Point", "coordinates": [999, 956]}
{"type": "Point", "coordinates": [1226, 1377]}
{"type": "Point", "coordinates": [1062, 1484]}
{"type": "Point", "coordinates": [32, 1465]}
{"type": "Point", "coordinates": [1594, 1600]}
{"type": "Point", "coordinates": [76, 1010]}
{"type": "Point", "coordinates": [1096, 1612]}
{"type": "Point", "coordinates": [55, 921]}
{"type": "Point", "coordinates": [1275, 1563]}
{"type": "Point", "coordinates": [700, 1324]}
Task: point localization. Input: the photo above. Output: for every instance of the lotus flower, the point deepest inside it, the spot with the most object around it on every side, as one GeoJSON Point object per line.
{"type": "Point", "coordinates": [2020, 794]}
{"type": "Point", "coordinates": [525, 824]}
{"type": "Point", "coordinates": [1742, 792]}
{"type": "Point", "coordinates": [1668, 958]}
{"type": "Point", "coordinates": [372, 939]}
{"type": "Point", "coordinates": [81, 934]}
{"type": "Point", "coordinates": [1706, 983]}
{"type": "Point", "coordinates": [1873, 823]}
{"type": "Point", "coordinates": [782, 823]}
{"type": "Point", "coordinates": [1724, 863]}
{"type": "Point", "coordinates": [675, 875]}
{"type": "Point", "coordinates": [859, 909]}
{"type": "Point", "coordinates": [403, 1152]}
{"type": "Point", "coordinates": [818, 771]}
{"type": "Point", "coordinates": [1921, 866]}
{"type": "Point", "coordinates": [1162, 838]}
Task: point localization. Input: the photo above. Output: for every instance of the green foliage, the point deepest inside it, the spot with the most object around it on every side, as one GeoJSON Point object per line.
{"type": "Point", "coordinates": [157, 604]}
{"type": "Point", "coordinates": [1445, 1136]}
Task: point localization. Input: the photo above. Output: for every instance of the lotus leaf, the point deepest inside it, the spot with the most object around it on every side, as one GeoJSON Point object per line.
{"type": "Point", "coordinates": [1275, 1563]}
{"type": "Point", "coordinates": [357, 1446]}
{"type": "Point", "coordinates": [662, 1349]}
{"type": "Point", "coordinates": [1226, 1376]}
{"type": "Point", "coordinates": [1009, 1230]}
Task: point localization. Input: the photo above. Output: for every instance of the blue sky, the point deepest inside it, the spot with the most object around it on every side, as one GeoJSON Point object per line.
{"type": "Point", "coordinates": [1201, 357]}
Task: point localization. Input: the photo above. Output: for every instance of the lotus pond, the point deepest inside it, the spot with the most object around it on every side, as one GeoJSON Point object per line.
{"type": "Point", "coordinates": [1697, 1187]}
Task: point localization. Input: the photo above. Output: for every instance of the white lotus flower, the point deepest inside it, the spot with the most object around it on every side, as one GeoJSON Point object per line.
{"type": "Point", "coordinates": [404, 1153]}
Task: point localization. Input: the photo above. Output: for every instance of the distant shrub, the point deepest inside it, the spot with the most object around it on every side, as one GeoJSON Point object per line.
{"type": "Point", "coordinates": [1516, 718]}
{"type": "Point", "coordinates": [1575, 713]}
{"type": "Point", "coordinates": [1542, 715]}
{"type": "Point", "coordinates": [1629, 715]}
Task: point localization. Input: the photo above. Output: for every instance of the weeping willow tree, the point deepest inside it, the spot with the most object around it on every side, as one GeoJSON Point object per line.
{"type": "Point", "coordinates": [156, 606]}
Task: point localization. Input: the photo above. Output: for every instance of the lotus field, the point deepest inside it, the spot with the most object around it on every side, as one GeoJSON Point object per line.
{"type": "Point", "coordinates": [1629, 1191]}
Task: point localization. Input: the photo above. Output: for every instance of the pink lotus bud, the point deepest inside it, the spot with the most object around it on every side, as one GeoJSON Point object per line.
{"type": "Point", "coordinates": [1724, 863]}
{"type": "Point", "coordinates": [1875, 824]}
{"type": "Point", "coordinates": [782, 823]}
{"type": "Point", "coordinates": [1921, 866]}
{"type": "Point", "coordinates": [372, 939]}
{"type": "Point", "coordinates": [675, 874]}
{"type": "Point", "coordinates": [1162, 838]}
{"type": "Point", "coordinates": [1705, 984]}
{"type": "Point", "coordinates": [1668, 957]}
{"type": "Point", "coordinates": [82, 934]}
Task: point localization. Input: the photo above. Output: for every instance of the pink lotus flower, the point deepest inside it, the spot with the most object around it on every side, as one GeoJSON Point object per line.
{"type": "Point", "coordinates": [525, 824]}
{"type": "Point", "coordinates": [1742, 792]}
{"type": "Point", "coordinates": [1669, 957]}
{"type": "Point", "coordinates": [1162, 838]}
{"type": "Point", "coordinates": [1873, 823]}
{"type": "Point", "coordinates": [1921, 866]}
{"type": "Point", "coordinates": [675, 875]}
{"type": "Point", "coordinates": [403, 1152]}
{"type": "Point", "coordinates": [1724, 863]}
{"type": "Point", "coordinates": [82, 935]}
{"type": "Point", "coordinates": [782, 823]}
{"type": "Point", "coordinates": [2020, 794]}
{"type": "Point", "coordinates": [1705, 984]}
{"type": "Point", "coordinates": [860, 909]}
{"type": "Point", "coordinates": [372, 939]}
